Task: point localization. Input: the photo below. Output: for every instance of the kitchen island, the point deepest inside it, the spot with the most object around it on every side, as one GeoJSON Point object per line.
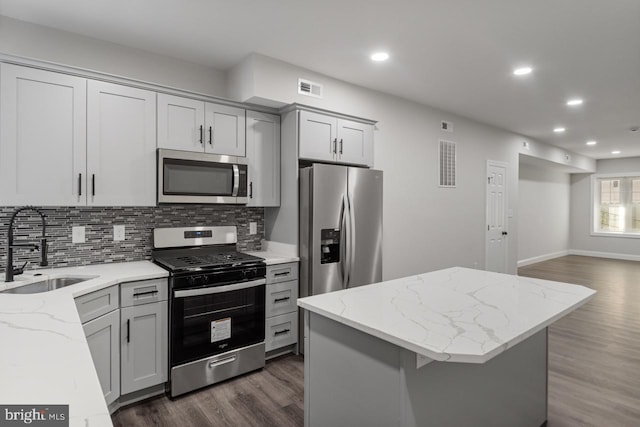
{"type": "Point", "coordinates": [454, 347]}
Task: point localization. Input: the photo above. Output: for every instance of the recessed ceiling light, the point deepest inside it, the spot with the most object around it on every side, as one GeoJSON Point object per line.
{"type": "Point", "coordinates": [380, 56]}
{"type": "Point", "coordinates": [574, 102]}
{"type": "Point", "coordinates": [616, 152]}
{"type": "Point", "coordinates": [592, 142]}
{"type": "Point", "coordinates": [559, 130]}
{"type": "Point", "coordinates": [522, 71]}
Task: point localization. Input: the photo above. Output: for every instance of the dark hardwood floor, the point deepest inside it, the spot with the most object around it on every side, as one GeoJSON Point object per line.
{"type": "Point", "coordinates": [594, 353]}
{"type": "Point", "coordinates": [594, 365]}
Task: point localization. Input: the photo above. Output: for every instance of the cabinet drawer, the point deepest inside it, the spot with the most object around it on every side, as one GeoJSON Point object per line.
{"type": "Point", "coordinates": [281, 331]}
{"type": "Point", "coordinates": [143, 292]}
{"type": "Point", "coordinates": [282, 272]}
{"type": "Point", "coordinates": [97, 303]}
{"type": "Point", "coordinates": [281, 298]}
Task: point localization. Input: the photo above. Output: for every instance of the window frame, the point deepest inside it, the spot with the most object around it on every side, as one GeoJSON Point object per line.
{"type": "Point", "coordinates": [595, 207]}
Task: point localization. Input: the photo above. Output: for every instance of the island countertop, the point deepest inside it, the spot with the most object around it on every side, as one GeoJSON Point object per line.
{"type": "Point", "coordinates": [452, 315]}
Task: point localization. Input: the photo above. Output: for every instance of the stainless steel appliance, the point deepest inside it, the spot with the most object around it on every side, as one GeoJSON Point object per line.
{"type": "Point", "coordinates": [340, 228]}
{"type": "Point", "coordinates": [216, 306]}
{"type": "Point", "coordinates": [191, 177]}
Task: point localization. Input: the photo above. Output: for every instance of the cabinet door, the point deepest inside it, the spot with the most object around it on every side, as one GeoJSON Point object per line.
{"type": "Point", "coordinates": [144, 346]}
{"type": "Point", "coordinates": [180, 123]}
{"type": "Point", "coordinates": [355, 142]}
{"type": "Point", "coordinates": [263, 154]}
{"type": "Point", "coordinates": [317, 138]}
{"type": "Point", "coordinates": [121, 145]}
{"type": "Point", "coordinates": [224, 130]}
{"type": "Point", "coordinates": [103, 337]}
{"type": "Point", "coordinates": [42, 137]}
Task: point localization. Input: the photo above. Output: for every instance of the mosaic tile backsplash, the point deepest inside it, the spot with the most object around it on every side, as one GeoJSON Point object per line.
{"type": "Point", "coordinates": [100, 247]}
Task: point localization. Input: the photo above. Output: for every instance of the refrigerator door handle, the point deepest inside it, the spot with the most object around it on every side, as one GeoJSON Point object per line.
{"type": "Point", "coordinates": [351, 238]}
{"type": "Point", "coordinates": [344, 255]}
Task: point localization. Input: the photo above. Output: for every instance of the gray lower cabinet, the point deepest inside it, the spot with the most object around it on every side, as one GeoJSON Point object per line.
{"type": "Point", "coordinates": [143, 334]}
{"type": "Point", "coordinates": [103, 337]}
{"type": "Point", "coordinates": [281, 323]}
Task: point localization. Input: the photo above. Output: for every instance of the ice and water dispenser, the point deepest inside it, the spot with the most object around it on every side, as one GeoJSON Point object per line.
{"type": "Point", "coordinates": [329, 245]}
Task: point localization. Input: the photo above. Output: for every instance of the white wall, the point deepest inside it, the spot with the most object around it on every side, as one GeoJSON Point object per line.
{"type": "Point", "coordinates": [544, 211]}
{"type": "Point", "coordinates": [425, 227]}
{"type": "Point", "coordinates": [581, 240]}
{"type": "Point", "coordinates": [46, 44]}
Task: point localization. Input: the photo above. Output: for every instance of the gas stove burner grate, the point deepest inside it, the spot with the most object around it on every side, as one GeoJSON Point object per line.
{"type": "Point", "coordinates": [189, 260]}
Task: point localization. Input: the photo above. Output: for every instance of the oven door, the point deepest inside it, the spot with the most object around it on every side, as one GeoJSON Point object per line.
{"type": "Point", "coordinates": [213, 320]}
{"type": "Point", "coordinates": [191, 177]}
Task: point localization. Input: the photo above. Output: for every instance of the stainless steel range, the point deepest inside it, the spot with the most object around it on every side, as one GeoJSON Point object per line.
{"type": "Point", "coordinates": [216, 307]}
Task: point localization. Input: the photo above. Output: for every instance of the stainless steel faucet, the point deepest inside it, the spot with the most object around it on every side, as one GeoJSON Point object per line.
{"type": "Point", "coordinates": [10, 271]}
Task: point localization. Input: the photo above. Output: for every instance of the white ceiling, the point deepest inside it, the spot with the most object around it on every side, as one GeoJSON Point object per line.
{"type": "Point", "coordinates": [456, 55]}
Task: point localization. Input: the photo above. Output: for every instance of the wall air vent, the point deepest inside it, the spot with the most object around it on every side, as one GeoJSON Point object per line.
{"type": "Point", "coordinates": [446, 126]}
{"type": "Point", "coordinates": [309, 88]}
{"type": "Point", "coordinates": [447, 164]}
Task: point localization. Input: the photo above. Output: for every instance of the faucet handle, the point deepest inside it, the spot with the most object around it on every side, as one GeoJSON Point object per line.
{"type": "Point", "coordinates": [20, 270]}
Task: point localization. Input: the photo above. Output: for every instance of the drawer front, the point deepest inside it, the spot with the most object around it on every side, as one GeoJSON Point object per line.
{"type": "Point", "coordinates": [281, 298]}
{"type": "Point", "coordinates": [281, 331]}
{"type": "Point", "coordinates": [95, 304]}
{"type": "Point", "coordinates": [143, 292]}
{"type": "Point", "coordinates": [282, 272]}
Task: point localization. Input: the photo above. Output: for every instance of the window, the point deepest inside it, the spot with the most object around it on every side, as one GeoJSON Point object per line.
{"type": "Point", "coordinates": [616, 204]}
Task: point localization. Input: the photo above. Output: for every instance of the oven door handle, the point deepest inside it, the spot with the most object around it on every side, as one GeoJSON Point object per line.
{"type": "Point", "coordinates": [218, 289]}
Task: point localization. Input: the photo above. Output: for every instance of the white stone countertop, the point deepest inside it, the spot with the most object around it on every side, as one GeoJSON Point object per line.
{"type": "Point", "coordinates": [276, 253]}
{"type": "Point", "coordinates": [44, 356]}
{"type": "Point", "coordinates": [452, 315]}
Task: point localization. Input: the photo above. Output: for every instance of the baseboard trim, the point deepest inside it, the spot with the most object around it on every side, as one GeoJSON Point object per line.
{"type": "Point", "coordinates": [541, 258]}
{"type": "Point", "coordinates": [611, 255]}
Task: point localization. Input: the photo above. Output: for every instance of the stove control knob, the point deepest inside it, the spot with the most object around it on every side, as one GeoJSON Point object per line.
{"type": "Point", "coordinates": [250, 273]}
{"type": "Point", "coordinates": [197, 280]}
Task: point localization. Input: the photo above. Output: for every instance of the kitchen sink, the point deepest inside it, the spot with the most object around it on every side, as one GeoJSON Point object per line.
{"type": "Point", "coordinates": [48, 284]}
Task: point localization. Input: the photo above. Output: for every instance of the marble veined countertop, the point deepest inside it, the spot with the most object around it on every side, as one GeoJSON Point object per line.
{"type": "Point", "coordinates": [276, 253]}
{"type": "Point", "coordinates": [452, 315]}
{"type": "Point", "coordinates": [44, 356]}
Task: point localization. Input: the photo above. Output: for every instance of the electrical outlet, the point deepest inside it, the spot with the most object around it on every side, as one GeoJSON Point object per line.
{"type": "Point", "coordinates": [253, 228]}
{"type": "Point", "coordinates": [77, 235]}
{"type": "Point", "coordinates": [118, 233]}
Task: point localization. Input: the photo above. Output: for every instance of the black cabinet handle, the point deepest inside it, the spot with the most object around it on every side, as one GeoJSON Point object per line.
{"type": "Point", "coordinates": [276, 333]}
{"type": "Point", "coordinates": [210, 135]}
{"type": "Point", "coordinates": [251, 190]}
{"type": "Point", "coordinates": [201, 133]}
{"type": "Point", "coordinates": [281, 299]}
{"type": "Point", "coordinates": [144, 293]}
{"type": "Point", "coordinates": [93, 184]}
{"type": "Point", "coordinates": [504, 233]}
{"type": "Point", "coordinates": [340, 145]}
{"type": "Point", "coordinates": [79, 184]}
{"type": "Point", "coordinates": [335, 145]}
{"type": "Point", "coordinates": [284, 273]}
{"type": "Point", "coordinates": [128, 330]}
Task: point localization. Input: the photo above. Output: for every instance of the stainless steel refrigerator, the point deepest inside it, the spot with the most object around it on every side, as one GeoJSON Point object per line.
{"type": "Point", "coordinates": [340, 228]}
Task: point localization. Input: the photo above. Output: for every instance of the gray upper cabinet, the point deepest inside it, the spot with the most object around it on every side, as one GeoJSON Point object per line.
{"type": "Point", "coordinates": [331, 139]}
{"type": "Point", "coordinates": [144, 334]}
{"type": "Point", "coordinates": [42, 137]}
{"type": "Point", "coordinates": [263, 154]}
{"type": "Point", "coordinates": [191, 125]}
{"type": "Point", "coordinates": [103, 339]}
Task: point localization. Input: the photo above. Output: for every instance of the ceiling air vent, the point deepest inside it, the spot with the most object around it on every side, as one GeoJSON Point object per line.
{"type": "Point", "coordinates": [309, 88]}
{"type": "Point", "coordinates": [446, 126]}
{"type": "Point", "coordinates": [447, 164]}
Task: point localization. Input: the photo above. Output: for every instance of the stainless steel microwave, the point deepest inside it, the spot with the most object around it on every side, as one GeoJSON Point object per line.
{"type": "Point", "coordinates": [191, 177]}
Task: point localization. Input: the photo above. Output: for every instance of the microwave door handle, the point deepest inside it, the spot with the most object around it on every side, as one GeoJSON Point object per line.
{"type": "Point", "coordinates": [236, 180]}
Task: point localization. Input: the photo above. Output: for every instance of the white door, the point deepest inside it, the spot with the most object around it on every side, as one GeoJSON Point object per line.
{"type": "Point", "coordinates": [355, 142]}
{"type": "Point", "coordinates": [496, 253]}
{"type": "Point", "coordinates": [318, 136]}
{"type": "Point", "coordinates": [103, 338]}
{"type": "Point", "coordinates": [224, 130]}
{"type": "Point", "coordinates": [263, 154]}
{"type": "Point", "coordinates": [180, 123]}
{"type": "Point", "coordinates": [42, 137]}
{"type": "Point", "coordinates": [121, 145]}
